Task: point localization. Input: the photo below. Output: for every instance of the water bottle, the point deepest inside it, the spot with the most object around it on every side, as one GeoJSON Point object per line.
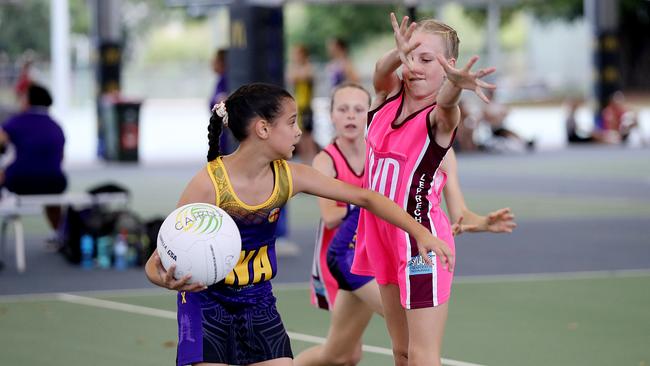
{"type": "Point", "coordinates": [120, 251]}
{"type": "Point", "coordinates": [87, 252]}
{"type": "Point", "coordinates": [104, 252]}
{"type": "Point", "coordinates": [132, 254]}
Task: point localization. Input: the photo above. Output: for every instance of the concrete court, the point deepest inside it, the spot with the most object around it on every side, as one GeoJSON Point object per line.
{"type": "Point", "coordinates": [578, 209]}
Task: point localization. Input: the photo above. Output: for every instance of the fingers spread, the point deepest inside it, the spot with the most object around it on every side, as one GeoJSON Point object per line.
{"type": "Point", "coordinates": [411, 29]}
{"type": "Point", "coordinates": [485, 85]}
{"type": "Point", "coordinates": [413, 46]}
{"type": "Point", "coordinates": [445, 65]}
{"type": "Point", "coordinates": [393, 22]}
{"type": "Point", "coordinates": [470, 63]}
{"type": "Point", "coordinates": [480, 94]}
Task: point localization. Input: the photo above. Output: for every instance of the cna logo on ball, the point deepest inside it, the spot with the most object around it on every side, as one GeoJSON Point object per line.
{"type": "Point", "coordinates": [200, 219]}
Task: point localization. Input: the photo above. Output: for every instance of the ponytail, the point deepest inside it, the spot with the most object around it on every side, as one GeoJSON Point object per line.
{"type": "Point", "coordinates": [215, 128]}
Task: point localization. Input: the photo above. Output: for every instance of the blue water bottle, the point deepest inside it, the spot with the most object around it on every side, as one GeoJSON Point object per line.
{"type": "Point", "coordinates": [120, 250]}
{"type": "Point", "coordinates": [104, 252]}
{"type": "Point", "coordinates": [87, 247]}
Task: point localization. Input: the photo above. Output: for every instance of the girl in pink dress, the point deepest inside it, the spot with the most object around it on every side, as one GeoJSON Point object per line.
{"type": "Point", "coordinates": [410, 129]}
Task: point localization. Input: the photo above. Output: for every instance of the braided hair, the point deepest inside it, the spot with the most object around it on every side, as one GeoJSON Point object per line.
{"type": "Point", "coordinates": [242, 106]}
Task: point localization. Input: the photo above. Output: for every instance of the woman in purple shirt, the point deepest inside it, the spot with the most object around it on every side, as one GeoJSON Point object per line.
{"type": "Point", "coordinates": [38, 142]}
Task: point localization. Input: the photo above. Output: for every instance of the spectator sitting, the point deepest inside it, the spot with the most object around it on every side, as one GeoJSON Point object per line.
{"type": "Point", "coordinates": [38, 146]}
{"type": "Point", "coordinates": [500, 138]}
{"type": "Point", "coordinates": [574, 135]}
{"type": "Point", "coordinates": [617, 117]}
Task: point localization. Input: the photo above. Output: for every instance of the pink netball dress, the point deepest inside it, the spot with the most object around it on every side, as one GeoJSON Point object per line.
{"type": "Point", "coordinates": [402, 163]}
{"type": "Point", "coordinates": [323, 284]}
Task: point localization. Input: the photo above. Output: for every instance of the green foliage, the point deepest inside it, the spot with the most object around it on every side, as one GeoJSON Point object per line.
{"type": "Point", "coordinates": [79, 17]}
{"type": "Point", "coordinates": [354, 23]}
{"type": "Point", "coordinates": [25, 26]}
{"type": "Point", "coordinates": [548, 10]}
{"type": "Point", "coordinates": [180, 41]}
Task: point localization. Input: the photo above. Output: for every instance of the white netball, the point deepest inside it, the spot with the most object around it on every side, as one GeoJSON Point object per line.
{"type": "Point", "coordinates": [202, 240]}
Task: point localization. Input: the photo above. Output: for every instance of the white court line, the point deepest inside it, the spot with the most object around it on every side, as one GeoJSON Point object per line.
{"type": "Point", "coordinates": [166, 314]}
{"type": "Point", "coordinates": [298, 286]}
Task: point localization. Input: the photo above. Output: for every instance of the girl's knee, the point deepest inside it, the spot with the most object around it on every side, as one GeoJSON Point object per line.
{"type": "Point", "coordinates": [345, 359]}
{"type": "Point", "coordinates": [420, 357]}
{"type": "Point", "coordinates": [401, 356]}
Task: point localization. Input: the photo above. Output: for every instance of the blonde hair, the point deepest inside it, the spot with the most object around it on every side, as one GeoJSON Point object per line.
{"type": "Point", "coordinates": [348, 84]}
{"type": "Point", "coordinates": [447, 33]}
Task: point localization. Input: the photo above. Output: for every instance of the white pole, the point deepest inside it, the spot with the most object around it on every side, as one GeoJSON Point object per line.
{"type": "Point", "coordinates": [60, 54]}
{"type": "Point", "coordinates": [493, 20]}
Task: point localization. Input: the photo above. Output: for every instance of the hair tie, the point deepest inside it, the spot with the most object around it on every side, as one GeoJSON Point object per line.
{"type": "Point", "coordinates": [220, 110]}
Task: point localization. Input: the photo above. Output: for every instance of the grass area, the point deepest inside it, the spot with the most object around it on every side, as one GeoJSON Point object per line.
{"type": "Point", "coordinates": [581, 321]}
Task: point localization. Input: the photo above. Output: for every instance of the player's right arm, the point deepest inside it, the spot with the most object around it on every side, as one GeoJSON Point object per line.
{"type": "Point", "coordinates": [385, 80]}
{"type": "Point", "coordinates": [331, 213]}
{"type": "Point", "coordinates": [200, 189]}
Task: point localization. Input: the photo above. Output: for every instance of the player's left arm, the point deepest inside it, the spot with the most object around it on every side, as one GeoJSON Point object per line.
{"type": "Point", "coordinates": [464, 219]}
{"type": "Point", "coordinates": [309, 180]}
{"type": "Point", "coordinates": [447, 112]}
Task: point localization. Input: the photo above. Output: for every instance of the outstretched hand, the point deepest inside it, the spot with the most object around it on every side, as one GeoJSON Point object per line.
{"type": "Point", "coordinates": [458, 227]}
{"type": "Point", "coordinates": [168, 280]}
{"type": "Point", "coordinates": [466, 79]}
{"type": "Point", "coordinates": [403, 33]}
{"type": "Point", "coordinates": [501, 221]}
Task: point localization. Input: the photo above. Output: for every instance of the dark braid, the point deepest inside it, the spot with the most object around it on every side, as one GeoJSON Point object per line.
{"type": "Point", "coordinates": [243, 106]}
{"type": "Point", "coordinates": [214, 134]}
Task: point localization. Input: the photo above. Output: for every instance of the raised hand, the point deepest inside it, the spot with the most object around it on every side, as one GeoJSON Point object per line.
{"type": "Point", "coordinates": [403, 33]}
{"type": "Point", "coordinates": [466, 79]}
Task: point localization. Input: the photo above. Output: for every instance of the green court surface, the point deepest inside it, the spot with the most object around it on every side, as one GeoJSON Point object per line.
{"type": "Point", "coordinates": [589, 319]}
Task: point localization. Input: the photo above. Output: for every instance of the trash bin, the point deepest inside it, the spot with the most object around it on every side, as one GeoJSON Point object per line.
{"type": "Point", "coordinates": [118, 130]}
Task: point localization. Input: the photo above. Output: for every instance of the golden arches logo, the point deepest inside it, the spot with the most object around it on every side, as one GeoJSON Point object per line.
{"type": "Point", "coordinates": [198, 218]}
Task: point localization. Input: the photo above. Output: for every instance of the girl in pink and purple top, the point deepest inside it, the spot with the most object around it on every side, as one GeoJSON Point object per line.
{"type": "Point", "coordinates": [343, 159]}
{"type": "Point", "coordinates": [410, 130]}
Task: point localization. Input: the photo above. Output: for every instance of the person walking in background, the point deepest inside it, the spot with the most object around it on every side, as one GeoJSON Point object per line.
{"type": "Point", "coordinates": [38, 143]}
{"type": "Point", "coordinates": [300, 76]}
{"type": "Point", "coordinates": [340, 69]}
{"type": "Point", "coordinates": [220, 93]}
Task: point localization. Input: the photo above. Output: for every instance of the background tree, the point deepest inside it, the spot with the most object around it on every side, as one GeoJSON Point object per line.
{"type": "Point", "coordinates": [634, 27]}
{"type": "Point", "coordinates": [354, 23]}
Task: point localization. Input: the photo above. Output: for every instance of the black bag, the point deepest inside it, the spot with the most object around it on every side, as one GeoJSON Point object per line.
{"type": "Point", "coordinates": [95, 221]}
{"type": "Point", "coordinates": [150, 236]}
